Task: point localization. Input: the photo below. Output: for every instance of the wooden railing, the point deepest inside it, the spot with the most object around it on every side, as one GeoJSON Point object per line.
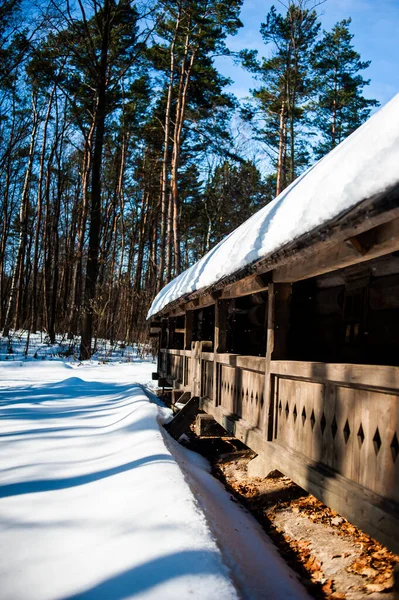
{"type": "Point", "coordinates": [236, 384]}
{"type": "Point", "coordinates": [240, 382]}
{"type": "Point", "coordinates": [207, 379]}
{"type": "Point", "coordinates": [174, 365]}
{"type": "Point", "coordinates": [332, 428]}
{"type": "Point", "coordinates": [345, 417]}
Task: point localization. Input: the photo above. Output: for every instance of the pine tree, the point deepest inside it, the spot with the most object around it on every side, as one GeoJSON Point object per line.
{"type": "Point", "coordinates": [101, 46]}
{"type": "Point", "coordinates": [341, 106]}
{"type": "Point", "coordinates": [287, 87]}
{"type": "Point", "coordinates": [192, 32]}
{"type": "Point", "coordinates": [232, 194]}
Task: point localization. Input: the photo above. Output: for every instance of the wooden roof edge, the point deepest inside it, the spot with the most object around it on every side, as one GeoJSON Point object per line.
{"type": "Point", "coordinates": [366, 215]}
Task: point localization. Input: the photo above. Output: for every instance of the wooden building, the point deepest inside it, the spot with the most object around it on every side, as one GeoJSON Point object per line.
{"type": "Point", "coordinates": [295, 349]}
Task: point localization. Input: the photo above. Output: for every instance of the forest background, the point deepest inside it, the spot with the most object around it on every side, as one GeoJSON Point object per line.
{"type": "Point", "coordinates": [125, 155]}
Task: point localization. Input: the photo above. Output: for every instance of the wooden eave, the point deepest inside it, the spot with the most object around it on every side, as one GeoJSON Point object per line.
{"type": "Point", "coordinates": [339, 242]}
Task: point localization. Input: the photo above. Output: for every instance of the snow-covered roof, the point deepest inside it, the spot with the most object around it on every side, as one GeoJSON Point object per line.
{"type": "Point", "coordinates": [365, 164]}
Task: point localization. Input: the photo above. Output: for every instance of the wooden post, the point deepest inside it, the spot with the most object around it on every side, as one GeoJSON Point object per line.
{"type": "Point", "coordinates": [219, 343]}
{"type": "Point", "coordinates": [196, 368]}
{"type": "Point", "coordinates": [276, 347]}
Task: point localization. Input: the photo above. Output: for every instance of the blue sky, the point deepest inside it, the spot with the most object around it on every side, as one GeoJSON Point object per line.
{"type": "Point", "coordinates": [375, 25]}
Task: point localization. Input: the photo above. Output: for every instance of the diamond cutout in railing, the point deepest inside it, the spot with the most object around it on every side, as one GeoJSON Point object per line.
{"type": "Point", "coordinates": [395, 447]}
{"type": "Point", "coordinates": [287, 410]}
{"type": "Point", "coordinates": [360, 436]}
{"type": "Point", "coordinates": [303, 416]}
{"type": "Point", "coordinates": [377, 441]}
{"type": "Point", "coordinates": [334, 427]}
{"type": "Point", "coordinates": [347, 431]}
{"type": "Point", "coordinates": [295, 413]}
{"type": "Point", "coordinates": [280, 408]}
{"type": "Point", "coordinates": [312, 419]}
{"type": "Point", "coordinates": [261, 400]}
{"type": "Point", "coordinates": [323, 423]}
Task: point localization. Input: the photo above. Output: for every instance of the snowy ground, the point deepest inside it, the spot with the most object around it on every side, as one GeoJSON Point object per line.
{"type": "Point", "coordinates": [96, 502]}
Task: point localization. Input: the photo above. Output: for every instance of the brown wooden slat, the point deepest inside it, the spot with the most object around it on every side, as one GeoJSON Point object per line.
{"type": "Point", "coordinates": [378, 376]}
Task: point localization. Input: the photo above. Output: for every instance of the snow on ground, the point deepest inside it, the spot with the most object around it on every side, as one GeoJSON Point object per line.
{"type": "Point", "coordinates": [364, 164]}
{"type": "Point", "coordinates": [94, 504]}
{"type": "Point", "coordinates": [15, 347]}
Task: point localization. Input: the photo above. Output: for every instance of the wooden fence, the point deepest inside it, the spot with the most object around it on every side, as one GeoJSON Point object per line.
{"type": "Point", "coordinates": [333, 428]}
{"type": "Point", "coordinates": [345, 417]}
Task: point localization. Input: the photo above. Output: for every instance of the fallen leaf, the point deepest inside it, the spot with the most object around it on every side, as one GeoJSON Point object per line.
{"type": "Point", "coordinates": [328, 587]}
{"type": "Point", "coordinates": [380, 587]}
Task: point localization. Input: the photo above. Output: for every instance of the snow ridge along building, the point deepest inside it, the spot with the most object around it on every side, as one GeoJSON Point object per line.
{"type": "Point", "coordinates": [288, 330]}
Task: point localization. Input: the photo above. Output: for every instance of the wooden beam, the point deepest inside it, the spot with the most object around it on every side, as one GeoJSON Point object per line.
{"type": "Point", "coordinates": [376, 242]}
{"type": "Point", "coordinates": [355, 244]}
{"type": "Point", "coordinates": [375, 376]}
{"type": "Point", "coordinates": [181, 422]}
{"type": "Point", "coordinates": [249, 285]}
{"type": "Point", "coordinates": [370, 214]}
{"type": "Point", "coordinates": [175, 312]}
{"type": "Point", "coordinates": [201, 302]}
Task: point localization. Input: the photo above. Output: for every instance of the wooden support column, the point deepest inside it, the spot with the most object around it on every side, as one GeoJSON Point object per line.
{"type": "Point", "coordinates": [277, 339]}
{"type": "Point", "coordinates": [196, 357]}
{"type": "Point", "coordinates": [219, 343]}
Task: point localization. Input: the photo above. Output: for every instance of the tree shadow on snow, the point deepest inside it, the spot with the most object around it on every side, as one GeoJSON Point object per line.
{"type": "Point", "coordinates": [49, 485]}
{"type": "Point", "coordinates": [152, 573]}
{"type": "Point", "coordinates": [63, 400]}
{"type": "Point", "coordinates": [68, 389]}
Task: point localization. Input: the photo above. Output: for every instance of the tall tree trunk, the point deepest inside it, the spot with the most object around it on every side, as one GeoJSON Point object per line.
{"type": "Point", "coordinates": [184, 82]}
{"type": "Point", "coordinates": [281, 149]}
{"type": "Point", "coordinates": [77, 277]}
{"type": "Point", "coordinates": [5, 228]}
{"type": "Point", "coordinates": [165, 163]}
{"type": "Point", "coordinates": [95, 209]}
{"type": "Point", "coordinates": [14, 300]}
{"type": "Point", "coordinates": [33, 325]}
{"type": "Point", "coordinates": [60, 136]}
